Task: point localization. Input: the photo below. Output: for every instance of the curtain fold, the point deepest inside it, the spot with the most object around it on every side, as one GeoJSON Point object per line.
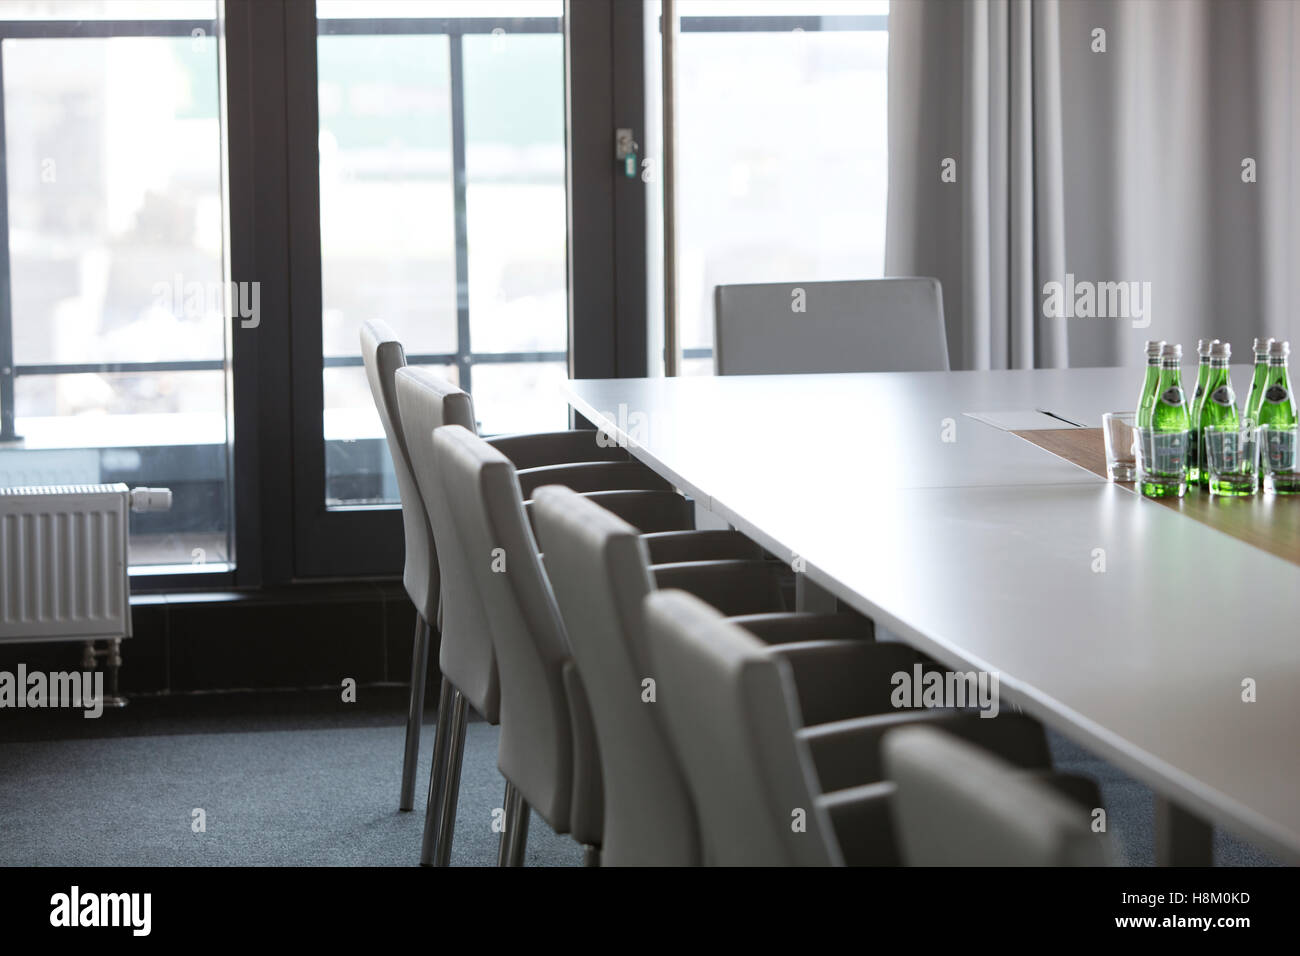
{"type": "Point", "coordinates": [976, 84]}
{"type": "Point", "coordinates": [1104, 147]}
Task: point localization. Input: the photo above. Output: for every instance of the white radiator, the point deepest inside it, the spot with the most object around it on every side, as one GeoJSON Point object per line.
{"type": "Point", "coordinates": [63, 560]}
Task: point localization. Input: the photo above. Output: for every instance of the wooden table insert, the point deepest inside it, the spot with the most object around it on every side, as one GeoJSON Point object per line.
{"type": "Point", "coordinates": [1268, 522]}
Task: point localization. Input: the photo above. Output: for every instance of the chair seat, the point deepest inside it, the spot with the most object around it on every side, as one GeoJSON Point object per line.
{"type": "Point", "coordinates": [672, 547]}
{"type": "Point", "coordinates": [535, 450]}
{"type": "Point", "coordinates": [789, 627]}
{"type": "Point", "coordinates": [848, 752]}
{"type": "Point", "coordinates": [733, 587]}
{"type": "Point", "coordinates": [958, 803]}
{"type": "Point", "coordinates": [862, 818]}
{"type": "Point", "coordinates": [592, 476]}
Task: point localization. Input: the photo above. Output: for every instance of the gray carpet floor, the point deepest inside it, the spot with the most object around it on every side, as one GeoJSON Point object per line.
{"type": "Point", "coordinates": [307, 797]}
{"type": "Point", "coordinates": [286, 791]}
{"type": "Point", "coordinates": [1130, 809]}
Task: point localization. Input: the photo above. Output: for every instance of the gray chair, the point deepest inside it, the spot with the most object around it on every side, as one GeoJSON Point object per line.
{"type": "Point", "coordinates": [763, 779]}
{"type": "Point", "coordinates": [383, 355]}
{"type": "Point", "coordinates": [600, 571]}
{"type": "Point", "coordinates": [727, 707]}
{"type": "Point", "coordinates": [959, 805]}
{"type": "Point", "coordinates": [874, 325]}
{"type": "Point", "coordinates": [547, 750]}
{"type": "Point", "coordinates": [469, 672]}
{"type": "Point", "coordinates": [427, 401]}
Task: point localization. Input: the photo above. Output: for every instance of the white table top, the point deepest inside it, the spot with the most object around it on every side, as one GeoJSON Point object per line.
{"type": "Point", "coordinates": [980, 551]}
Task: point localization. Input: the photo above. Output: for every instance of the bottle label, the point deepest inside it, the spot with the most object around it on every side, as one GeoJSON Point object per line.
{"type": "Point", "coordinates": [1280, 450]}
{"type": "Point", "coordinates": [1223, 396]}
{"type": "Point", "coordinates": [1169, 453]}
{"type": "Point", "coordinates": [1172, 396]}
{"type": "Point", "coordinates": [1275, 395]}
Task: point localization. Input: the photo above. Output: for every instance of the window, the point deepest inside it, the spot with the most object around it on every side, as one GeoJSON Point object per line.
{"type": "Point", "coordinates": [394, 159]}
{"type": "Point", "coordinates": [781, 150]}
{"type": "Point", "coordinates": [442, 212]}
{"type": "Point", "coordinates": [113, 336]}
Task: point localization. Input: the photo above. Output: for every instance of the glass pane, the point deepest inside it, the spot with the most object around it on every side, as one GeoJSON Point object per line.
{"type": "Point", "coordinates": [388, 9]}
{"type": "Point", "coordinates": [519, 397]}
{"type": "Point", "coordinates": [118, 298]}
{"type": "Point", "coordinates": [783, 8]}
{"type": "Point", "coordinates": [514, 162]}
{"type": "Point", "coordinates": [109, 10]}
{"type": "Point", "coordinates": [88, 428]}
{"type": "Point", "coordinates": [358, 468]}
{"type": "Point", "coordinates": [697, 366]}
{"type": "Point", "coordinates": [781, 170]}
{"type": "Point", "coordinates": [406, 95]}
{"type": "Point", "coordinates": [386, 202]}
{"type": "Point", "coordinates": [104, 409]}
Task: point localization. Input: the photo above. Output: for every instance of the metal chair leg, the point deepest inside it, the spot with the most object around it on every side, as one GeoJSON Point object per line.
{"type": "Point", "coordinates": [507, 807]}
{"type": "Point", "coordinates": [438, 771]}
{"type": "Point", "coordinates": [514, 838]}
{"type": "Point", "coordinates": [419, 667]}
{"type": "Point", "coordinates": [1182, 839]}
{"type": "Point", "coordinates": [450, 795]}
{"type": "Point", "coordinates": [519, 843]}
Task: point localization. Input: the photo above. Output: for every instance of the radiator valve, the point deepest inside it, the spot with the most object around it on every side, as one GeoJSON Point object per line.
{"type": "Point", "coordinates": [151, 499]}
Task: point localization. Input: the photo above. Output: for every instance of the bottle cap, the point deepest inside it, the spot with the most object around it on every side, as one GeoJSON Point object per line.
{"type": "Point", "coordinates": [1203, 346]}
{"type": "Point", "coordinates": [1171, 350]}
{"type": "Point", "coordinates": [1261, 346]}
{"type": "Point", "coordinates": [1220, 350]}
{"type": "Point", "coordinates": [1154, 347]}
{"type": "Point", "coordinates": [1278, 348]}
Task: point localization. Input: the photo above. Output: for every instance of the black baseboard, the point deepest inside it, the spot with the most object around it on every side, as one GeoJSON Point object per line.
{"type": "Point", "coordinates": [307, 636]}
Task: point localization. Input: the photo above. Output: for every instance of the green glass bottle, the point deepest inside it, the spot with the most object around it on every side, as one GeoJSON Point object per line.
{"type": "Point", "coordinates": [1166, 475]}
{"type": "Point", "coordinates": [1277, 405]}
{"type": "Point", "coordinates": [1218, 410]}
{"type": "Point", "coordinates": [1278, 401]}
{"type": "Point", "coordinates": [1147, 400]}
{"type": "Point", "coordinates": [1194, 453]}
{"type": "Point", "coordinates": [1250, 411]}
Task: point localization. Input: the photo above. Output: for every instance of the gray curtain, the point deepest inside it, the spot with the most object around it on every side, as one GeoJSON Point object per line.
{"type": "Point", "coordinates": [1112, 157]}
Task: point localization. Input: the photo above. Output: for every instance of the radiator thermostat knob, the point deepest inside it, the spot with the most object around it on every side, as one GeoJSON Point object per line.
{"type": "Point", "coordinates": [151, 499]}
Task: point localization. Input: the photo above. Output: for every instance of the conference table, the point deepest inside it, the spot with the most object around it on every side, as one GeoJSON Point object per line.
{"type": "Point", "coordinates": [1159, 642]}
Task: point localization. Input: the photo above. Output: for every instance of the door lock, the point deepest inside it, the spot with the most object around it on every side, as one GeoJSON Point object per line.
{"type": "Point", "coordinates": [625, 151]}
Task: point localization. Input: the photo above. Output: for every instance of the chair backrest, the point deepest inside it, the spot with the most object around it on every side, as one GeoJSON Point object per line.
{"type": "Point", "coordinates": [959, 805]}
{"type": "Point", "coordinates": [875, 325]}
{"type": "Point", "coordinates": [383, 355]}
{"type": "Point", "coordinates": [730, 707]}
{"type": "Point", "coordinates": [600, 571]}
{"type": "Point", "coordinates": [427, 402]}
{"type": "Point", "coordinates": [536, 749]}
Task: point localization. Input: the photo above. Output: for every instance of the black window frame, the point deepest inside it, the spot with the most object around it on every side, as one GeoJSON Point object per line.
{"type": "Point", "coordinates": [282, 529]}
{"type": "Point", "coordinates": [10, 370]}
{"type": "Point", "coordinates": [364, 540]}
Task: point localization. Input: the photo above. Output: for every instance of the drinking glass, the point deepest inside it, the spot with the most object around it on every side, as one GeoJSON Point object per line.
{"type": "Point", "coordinates": [1232, 460]}
{"type": "Point", "coordinates": [1162, 463]}
{"type": "Point", "coordinates": [1278, 459]}
{"type": "Point", "coordinates": [1121, 458]}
